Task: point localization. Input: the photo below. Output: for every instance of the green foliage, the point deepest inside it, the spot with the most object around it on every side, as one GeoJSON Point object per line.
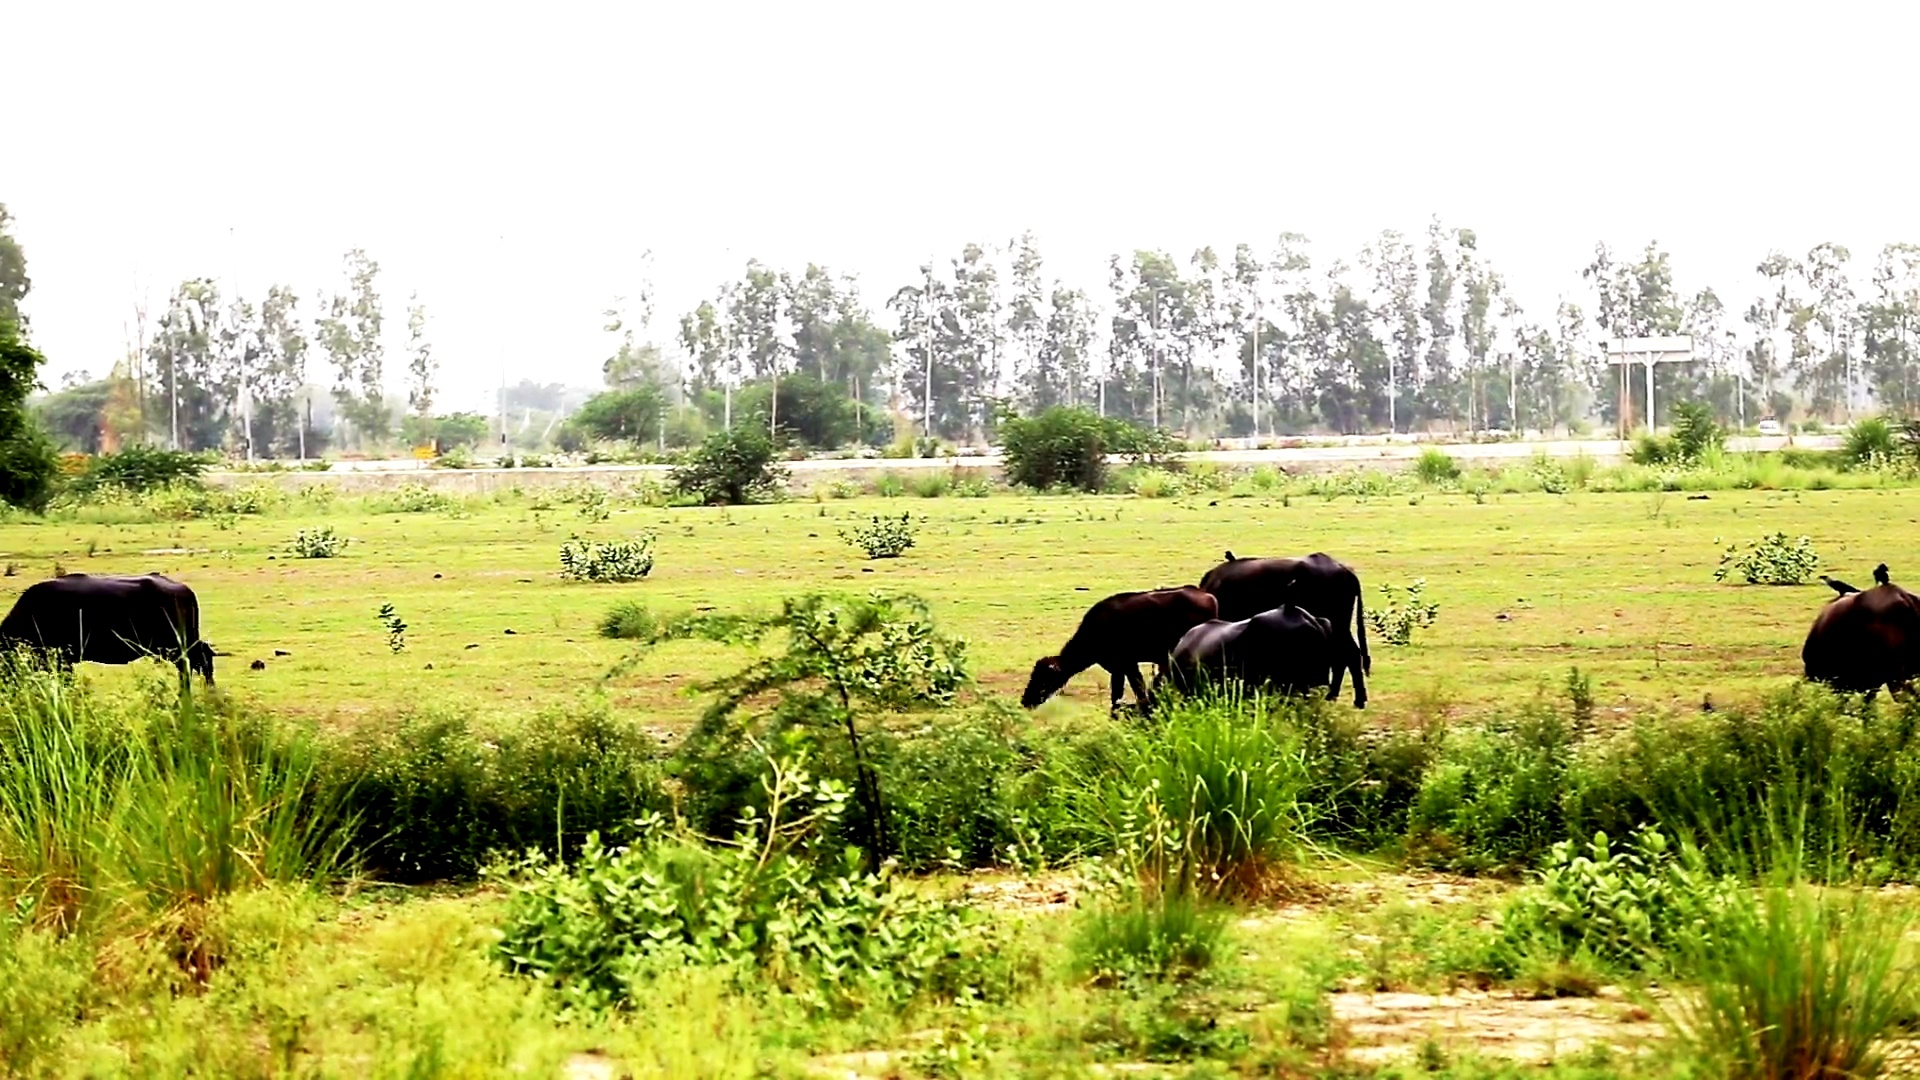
{"type": "Point", "coordinates": [396, 629]}
{"type": "Point", "coordinates": [1156, 484]}
{"type": "Point", "coordinates": [1142, 935]}
{"type": "Point", "coordinates": [1803, 983]}
{"type": "Point", "coordinates": [1494, 797]}
{"type": "Point", "coordinates": [28, 462]}
{"type": "Point", "coordinates": [1210, 800]}
{"type": "Point", "coordinates": [1770, 560]}
{"type": "Point", "coordinates": [1580, 696]}
{"type": "Point", "coordinates": [1436, 466]}
{"type": "Point", "coordinates": [141, 469]}
{"type": "Point", "coordinates": [436, 797]}
{"type": "Point", "coordinates": [43, 983]}
{"type": "Point", "coordinates": [731, 468]}
{"type": "Point", "coordinates": [607, 560]}
{"type": "Point", "coordinates": [630, 415]}
{"type": "Point", "coordinates": [779, 909]}
{"type": "Point", "coordinates": [1395, 619]}
{"type": "Point", "coordinates": [955, 790]}
{"type": "Point", "coordinates": [1068, 447]}
{"type": "Point", "coordinates": [411, 498]}
{"type": "Point", "coordinates": [163, 805]}
{"type": "Point", "coordinates": [320, 542]}
{"type": "Point", "coordinates": [1695, 432]}
{"type": "Point", "coordinates": [1638, 908]}
{"type": "Point", "coordinates": [629, 620]}
{"type": "Point", "coordinates": [882, 537]}
{"type": "Point", "coordinates": [845, 655]}
{"type": "Point", "coordinates": [1651, 449]}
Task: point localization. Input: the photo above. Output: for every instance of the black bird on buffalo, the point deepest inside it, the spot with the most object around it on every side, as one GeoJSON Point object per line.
{"type": "Point", "coordinates": [1865, 639]}
{"type": "Point", "coordinates": [1119, 634]}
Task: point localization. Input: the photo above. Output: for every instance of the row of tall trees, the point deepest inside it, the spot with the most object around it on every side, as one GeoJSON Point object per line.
{"type": "Point", "coordinates": [1412, 332]}
{"type": "Point", "coordinates": [215, 372]}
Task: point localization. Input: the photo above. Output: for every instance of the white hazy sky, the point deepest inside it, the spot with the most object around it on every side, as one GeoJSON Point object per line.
{"type": "Point", "coordinates": [510, 164]}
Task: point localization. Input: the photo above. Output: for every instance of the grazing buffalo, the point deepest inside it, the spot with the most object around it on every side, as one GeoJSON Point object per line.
{"type": "Point", "coordinates": [1119, 634]}
{"type": "Point", "coordinates": [1865, 639]}
{"type": "Point", "coordinates": [1319, 582]}
{"type": "Point", "coordinates": [1288, 649]}
{"type": "Point", "coordinates": [111, 620]}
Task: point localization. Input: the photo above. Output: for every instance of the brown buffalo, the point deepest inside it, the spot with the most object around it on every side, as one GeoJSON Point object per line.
{"type": "Point", "coordinates": [1865, 639]}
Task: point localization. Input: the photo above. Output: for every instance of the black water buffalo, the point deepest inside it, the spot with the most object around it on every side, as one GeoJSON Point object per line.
{"type": "Point", "coordinates": [1288, 649]}
{"type": "Point", "coordinates": [1119, 634]}
{"type": "Point", "coordinates": [1866, 639]}
{"type": "Point", "coordinates": [110, 620]}
{"type": "Point", "coordinates": [1318, 582]}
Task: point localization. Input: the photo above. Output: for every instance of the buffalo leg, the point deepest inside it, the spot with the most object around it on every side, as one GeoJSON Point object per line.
{"type": "Point", "coordinates": [1119, 691]}
{"type": "Point", "coordinates": [1139, 686]}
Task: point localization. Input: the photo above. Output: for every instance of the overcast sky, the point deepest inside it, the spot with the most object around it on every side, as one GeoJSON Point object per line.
{"type": "Point", "coordinates": [511, 165]}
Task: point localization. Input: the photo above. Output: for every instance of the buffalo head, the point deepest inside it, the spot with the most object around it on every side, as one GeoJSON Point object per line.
{"type": "Point", "coordinates": [1046, 681]}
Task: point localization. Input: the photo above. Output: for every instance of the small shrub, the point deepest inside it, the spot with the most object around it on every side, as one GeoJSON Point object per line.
{"type": "Point", "coordinates": [1580, 696]}
{"type": "Point", "coordinates": [317, 543]}
{"type": "Point", "coordinates": [1436, 466]}
{"type": "Point", "coordinates": [972, 486]}
{"type": "Point", "coordinates": [139, 469]}
{"type": "Point", "coordinates": [1396, 619]}
{"type": "Point", "coordinates": [882, 537]}
{"type": "Point", "coordinates": [629, 620]}
{"type": "Point", "coordinates": [1654, 450]}
{"type": "Point", "coordinates": [1068, 447]}
{"type": "Point", "coordinates": [889, 486]}
{"type": "Point", "coordinates": [1156, 484]}
{"type": "Point", "coordinates": [606, 561]}
{"type": "Point", "coordinates": [931, 485]}
{"type": "Point", "coordinates": [1770, 560]}
{"type": "Point", "coordinates": [843, 489]}
{"type": "Point", "coordinates": [1695, 432]}
{"type": "Point", "coordinates": [396, 629]}
{"type": "Point", "coordinates": [411, 498]}
{"type": "Point", "coordinates": [731, 468]}
{"type": "Point", "coordinates": [1142, 935]}
{"type": "Point", "coordinates": [1635, 909]}
{"type": "Point", "coordinates": [781, 909]}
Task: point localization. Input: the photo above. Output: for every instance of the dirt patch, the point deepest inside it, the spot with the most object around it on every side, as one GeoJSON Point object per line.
{"type": "Point", "coordinates": [1390, 1026]}
{"type": "Point", "coordinates": [1029, 895]}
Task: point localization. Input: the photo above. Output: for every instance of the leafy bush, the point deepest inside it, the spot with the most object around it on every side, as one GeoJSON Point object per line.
{"type": "Point", "coordinates": [1695, 431]}
{"type": "Point", "coordinates": [608, 560]}
{"type": "Point", "coordinates": [889, 485]}
{"type": "Point", "coordinates": [1654, 450]}
{"type": "Point", "coordinates": [1145, 935]}
{"type": "Point", "coordinates": [140, 468]}
{"type": "Point", "coordinates": [1770, 560]}
{"type": "Point", "coordinates": [1068, 447]}
{"type": "Point", "coordinates": [882, 538]}
{"type": "Point", "coordinates": [320, 542]}
{"type": "Point", "coordinates": [411, 498]}
{"type": "Point", "coordinates": [1804, 983]}
{"type": "Point", "coordinates": [1870, 443]}
{"type": "Point", "coordinates": [1396, 618]}
{"type": "Point", "coordinates": [1638, 908]}
{"type": "Point", "coordinates": [932, 485]}
{"type": "Point", "coordinates": [1156, 484]}
{"type": "Point", "coordinates": [1436, 466]}
{"type": "Point", "coordinates": [629, 620]}
{"type": "Point", "coordinates": [435, 798]}
{"type": "Point", "coordinates": [1494, 797]}
{"type": "Point", "coordinates": [731, 467]}
{"type": "Point", "coordinates": [954, 796]}
{"type": "Point", "coordinates": [780, 909]}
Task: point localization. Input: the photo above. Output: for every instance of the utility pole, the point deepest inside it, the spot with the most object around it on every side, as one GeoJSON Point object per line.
{"type": "Point", "coordinates": [926, 330]}
{"type": "Point", "coordinates": [1256, 363]}
{"type": "Point", "coordinates": [1153, 326]}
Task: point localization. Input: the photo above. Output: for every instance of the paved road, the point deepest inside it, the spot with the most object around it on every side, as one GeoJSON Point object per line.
{"type": "Point", "coordinates": [1353, 450]}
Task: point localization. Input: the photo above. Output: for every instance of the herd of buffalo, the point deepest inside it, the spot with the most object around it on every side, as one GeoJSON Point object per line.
{"type": "Point", "coordinates": [1274, 624]}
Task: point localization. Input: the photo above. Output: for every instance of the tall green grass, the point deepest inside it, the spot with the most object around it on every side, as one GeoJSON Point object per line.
{"type": "Point", "coordinates": [1208, 797]}
{"type": "Point", "coordinates": [1799, 983]}
{"type": "Point", "coordinates": [157, 804]}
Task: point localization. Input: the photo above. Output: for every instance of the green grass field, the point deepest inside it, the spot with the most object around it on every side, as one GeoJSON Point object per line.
{"type": "Point", "coordinates": [1528, 585]}
{"type": "Point", "coordinates": [1358, 960]}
